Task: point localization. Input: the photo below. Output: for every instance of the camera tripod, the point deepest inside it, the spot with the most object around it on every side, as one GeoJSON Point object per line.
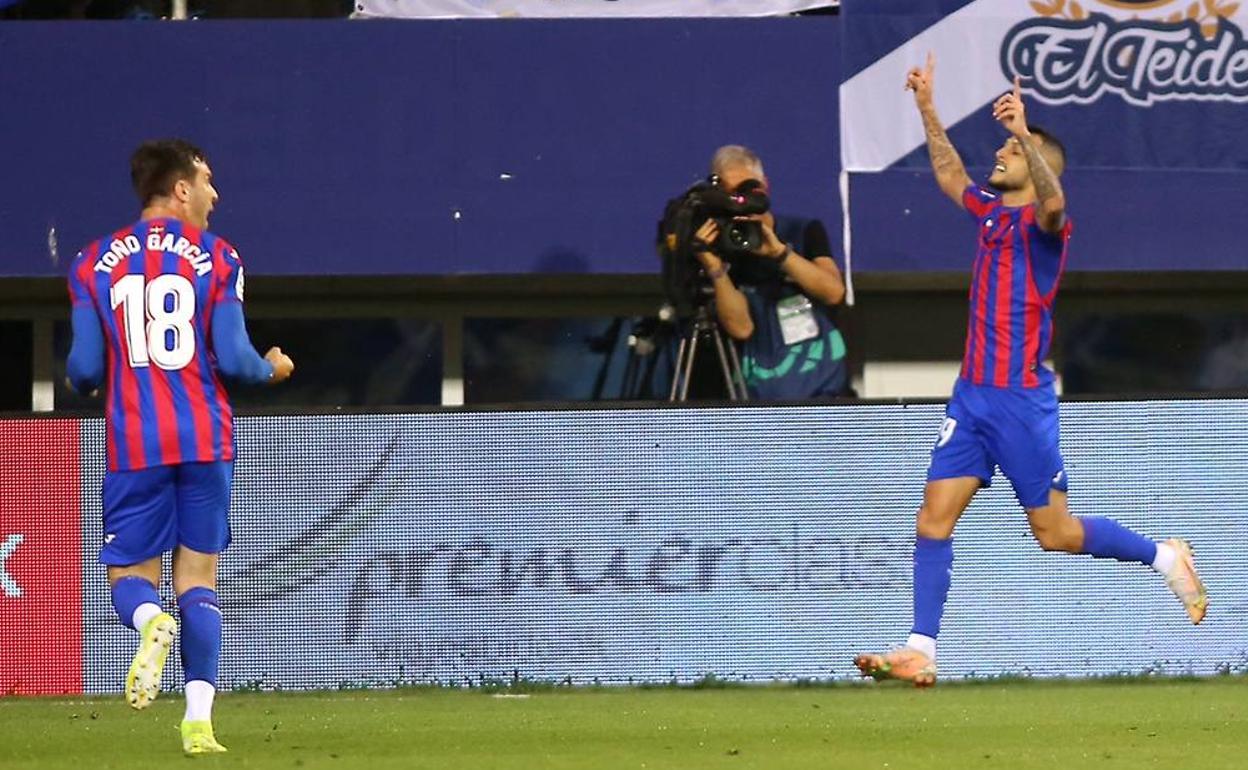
{"type": "Point", "coordinates": [703, 326]}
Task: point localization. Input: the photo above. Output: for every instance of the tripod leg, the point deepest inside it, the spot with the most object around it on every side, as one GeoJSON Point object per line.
{"type": "Point", "coordinates": [690, 345]}
{"type": "Point", "coordinates": [612, 337]}
{"type": "Point", "coordinates": [628, 381]}
{"type": "Point", "coordinates": [676, 370]}
{"type": "Point", "coordinates": [738, 375]}
{"type": "Point", "coordinates": [731, 386]}
{"type": "Point", "coordinates": [645, 379]}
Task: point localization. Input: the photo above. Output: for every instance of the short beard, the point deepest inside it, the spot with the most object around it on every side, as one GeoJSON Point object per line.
{"type": "Point", "coordinates": [1003, 187]}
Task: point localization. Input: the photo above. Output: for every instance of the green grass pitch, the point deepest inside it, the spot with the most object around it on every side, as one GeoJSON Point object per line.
{"type": "Point", "coordinates": [1010, 724]}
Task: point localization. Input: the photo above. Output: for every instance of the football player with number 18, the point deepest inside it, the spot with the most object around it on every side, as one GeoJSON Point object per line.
{"type": "Point", "coordinates": [157, 319]}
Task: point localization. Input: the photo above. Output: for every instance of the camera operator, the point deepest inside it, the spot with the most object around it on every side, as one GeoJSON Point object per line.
{"type": "Point", "coordinates": [780, 305]}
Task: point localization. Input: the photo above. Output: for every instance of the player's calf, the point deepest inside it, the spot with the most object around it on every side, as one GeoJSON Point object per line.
{"type": "Point", "coordinates": [1061, 540]}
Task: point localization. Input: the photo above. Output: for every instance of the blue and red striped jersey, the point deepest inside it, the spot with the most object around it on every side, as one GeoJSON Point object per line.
{"type": "Point", "coordinates": [154, 286]}
{"type": "Point", "coordinates": [1013, 285]}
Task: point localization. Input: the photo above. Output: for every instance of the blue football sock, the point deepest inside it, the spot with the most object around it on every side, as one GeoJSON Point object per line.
{"type": "Point", "coordinates": [1107, 539]}
{"type": "Point", "coordinates": [201, 634]}
{"type": "Point", "coordinates": [130, 592]}
{"type": "Point", "coordinates": [933, 568]}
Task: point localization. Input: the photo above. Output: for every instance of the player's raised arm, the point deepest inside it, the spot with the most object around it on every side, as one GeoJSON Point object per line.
{"type": "Point", "coordinates": [1044, 164]}
{"type": "Point", "coordinates": [950, 173]}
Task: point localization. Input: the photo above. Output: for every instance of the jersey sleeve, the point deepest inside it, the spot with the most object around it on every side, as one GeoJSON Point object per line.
{"type": "Point", "coordinates": [236, 356]}
{"type": "Point", "coordinates": [977, 201]}
{"type": "Point", "coordinates": [230, 269]}
{"type": "Point", "coordinates": [1059, 236]}
{"type": "Point", "coordinates": [79, 296]}
{"type": "Point", "coordinates": [815, 242]}
{"type": "Point", "coordinates": [85, 365]}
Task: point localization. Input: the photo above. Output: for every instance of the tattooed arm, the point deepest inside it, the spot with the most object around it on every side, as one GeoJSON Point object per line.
{"type": "Point", "coordinates": [1050, 200]}
{"type": "Point", "coordinates": [950, 172]}
{"type": "Point", "coordinates": [1011, 113]}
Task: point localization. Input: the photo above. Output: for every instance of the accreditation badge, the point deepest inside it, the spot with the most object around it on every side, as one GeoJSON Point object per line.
{"type": "Point", "coordinates": [797, 319]}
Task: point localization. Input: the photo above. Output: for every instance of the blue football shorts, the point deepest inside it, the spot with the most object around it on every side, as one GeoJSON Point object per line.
{"type": "Point", "coordinates": [147, 512]}
{"type": "Point", "coordinates": [1012, 428]}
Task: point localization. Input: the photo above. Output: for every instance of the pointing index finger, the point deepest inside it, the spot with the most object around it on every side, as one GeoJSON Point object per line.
{"type": "Point", "coordinates": [931, 62]}
{"type": "Point", "coordinates": [1018, 94]}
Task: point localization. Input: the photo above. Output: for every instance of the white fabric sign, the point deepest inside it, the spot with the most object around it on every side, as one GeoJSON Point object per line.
{"type": "Point", "coordinates": [1065, 51]}
{"type": "Point", "coordinates": [458, 9]}
{"type": "Point", "coordinates": [878, 121]}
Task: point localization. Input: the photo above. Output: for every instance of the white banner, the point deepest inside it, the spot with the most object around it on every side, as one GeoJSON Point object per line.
{"type": "Point", "coordinates": [460, 9]}
{"type": "Point", "coordinates": [1065, 51]}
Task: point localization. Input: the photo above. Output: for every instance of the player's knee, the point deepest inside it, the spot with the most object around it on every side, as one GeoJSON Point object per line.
{"type": "Point", "coordinates": [186, 584]}
{"type": "Point", "coordinates": [1057, 539]}
{"type": "Point", "coordinates": [932, 523]}
{"type": "Point", "coordinates": [186, 577]}
{"type": "Point", "coordinates": [1047, 539]}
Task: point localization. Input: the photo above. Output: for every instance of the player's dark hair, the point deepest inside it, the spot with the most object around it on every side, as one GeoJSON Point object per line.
{"type": "Point", "coordinates": [159, 163]}
{"type": "Point", "coordinates": [1052, 144]}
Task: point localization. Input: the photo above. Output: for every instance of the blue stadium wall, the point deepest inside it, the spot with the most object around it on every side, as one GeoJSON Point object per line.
{"type": "Point", "coordinates": [530, 147]}
{"type": "Point", "coordinates": [655, 545]}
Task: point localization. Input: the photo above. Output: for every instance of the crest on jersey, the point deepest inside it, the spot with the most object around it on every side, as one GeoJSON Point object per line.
{"type": "Point", "coordinates": [1145, 51]}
